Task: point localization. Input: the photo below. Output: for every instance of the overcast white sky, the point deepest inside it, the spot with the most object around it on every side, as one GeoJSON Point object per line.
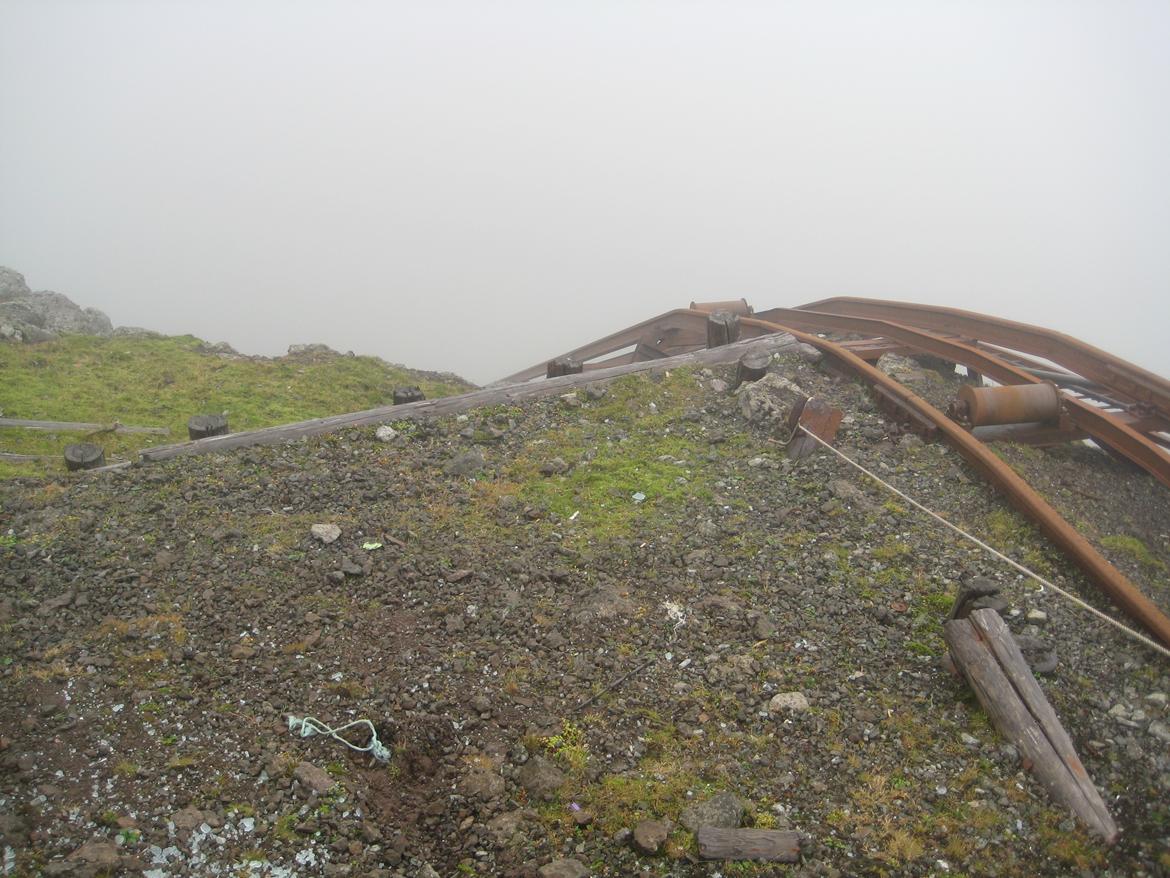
{"type": "Point", "coordinates": [520, 178]}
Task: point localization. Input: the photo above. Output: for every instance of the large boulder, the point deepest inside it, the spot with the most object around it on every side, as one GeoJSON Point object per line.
{"type": "Point", "coordinates": [770, 400]}
{"type": "Point", "coordinates": [12, 285]}
{"type": "Point", "coordinates": [61, 315]}
{"type": "Point", "coordinates": [27, 316]}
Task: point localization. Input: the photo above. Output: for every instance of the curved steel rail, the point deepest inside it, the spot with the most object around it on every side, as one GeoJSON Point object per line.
{"type": "Point", "coordinates": [1091, 362]}
{"type": "Point", "coordinates": [1111, 581]}
{"type": "Point", "coordinates": [1099, 424]}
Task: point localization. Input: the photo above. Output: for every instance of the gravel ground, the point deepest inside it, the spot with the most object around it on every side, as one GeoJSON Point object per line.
{"type": "Point", "coordinates": [570, 623]}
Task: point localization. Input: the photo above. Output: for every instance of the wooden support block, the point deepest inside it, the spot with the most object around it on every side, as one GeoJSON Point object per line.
{"type": "Point", "coordinates": [819, 418]}
{"type": "Point", "coordinates": [982, 648]}
{"type": "Point", "coordinates": [903, 414]}
{"type": "Point", "coordinates": [977, 588]}
{"type": "Point", "coordinates": [202, 426]}
{"type": "Point", "coordinates": [646, 349]}
{"type": "Point", "coordinates": [404, 395]}
{"type": "Point", "coordinates": [83, 456]}
{"type": "Point", "coordinates": [752, 366]}
{"type": "Point", "coordinates": [776, 845]}
{"type": "Point", "coordinates": [722, 328]}
{"type": "Point", "coordinates": [564, 366]}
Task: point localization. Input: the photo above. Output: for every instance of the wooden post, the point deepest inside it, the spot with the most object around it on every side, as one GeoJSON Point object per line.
{"type": "Point", "coordinates": [202, 426]}
{"type": "Point", "coordinates": [83, 456]}
{"type": "Point", "coordinates": [404, 395]}
{"type": "Point", "coordinates": [983, 649]}
{"type": "Point", "coordinates": [776, 845]}
{"type": "Point", "coordinates": [752, 366]}
{"type": "Point", "coordinates": [564, 366]}
{"type": "Point", "coordinates": [722, 328]}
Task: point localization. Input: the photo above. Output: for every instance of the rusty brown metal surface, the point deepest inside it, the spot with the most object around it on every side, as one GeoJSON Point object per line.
{"type": "Point", "coordinates": [690, 330]}
{"type": "Point", "coordinates": [819, 418]}
{"type": "Point", "coordinates": [1123, 377]}
{"type": "Point", "coordinates": [1038, 435]}
{"type": "Point", "coordinates": [1013, 404]}
{"type": "Point", "coordinates": [1021, 495]}
{"type": "Point", "coordinates": [739, 307]}
{"type": "Point", "coordinates": [1097, 422]}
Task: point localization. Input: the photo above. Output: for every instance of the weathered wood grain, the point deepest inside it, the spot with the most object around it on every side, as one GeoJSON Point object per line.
{"type": "Point", "coordinates": [722, 329]}
{"type": "Point", "coordinates": [449, 405]}
{"type": "Point", "coordinates": [775, 845]}
{"type": "Point", "coordinates": [996, 671]}
{"type": "Point", "coordinates": [80, 427]}
{"type": "Point", "coordinates": [84, 455]}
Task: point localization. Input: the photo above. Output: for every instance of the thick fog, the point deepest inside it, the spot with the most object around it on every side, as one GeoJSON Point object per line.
{"type": "Point", "coordinates": [478, 186]}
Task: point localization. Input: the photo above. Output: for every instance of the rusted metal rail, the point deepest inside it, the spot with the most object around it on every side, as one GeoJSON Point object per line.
{"type": "Point", "coordinates": [1097, 422]}
{"type": "Point", "coordinates": [802, 324]}
{"type": "Point", "coordinates": [1121, 376]}
{"type": "Point", "coordinates": [1107, 577]}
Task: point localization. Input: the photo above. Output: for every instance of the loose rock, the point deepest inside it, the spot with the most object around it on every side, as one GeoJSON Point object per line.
{"type": "Point", "coordinates": [326, 533]}
{"type": "Point", "coordinates": [650, 836]}
{"type": "Point", "coordinates": [788, 702]}
{"type": "Point", "coordinates": [724, 810]}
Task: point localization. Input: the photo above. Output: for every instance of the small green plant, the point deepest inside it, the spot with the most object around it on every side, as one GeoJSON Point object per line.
{"type": "Point", "coordinates": [569, 747]}
{"type": "Point", "coordinates": [126, 769]}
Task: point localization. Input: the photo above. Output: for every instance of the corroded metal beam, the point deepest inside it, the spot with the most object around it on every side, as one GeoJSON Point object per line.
{"type": "Point", "coordinates": [1123, 377]}
{"type": "Point", "coordinates": [1098, 423]}
{"type": "Point", "coordinates": [1021, 495]}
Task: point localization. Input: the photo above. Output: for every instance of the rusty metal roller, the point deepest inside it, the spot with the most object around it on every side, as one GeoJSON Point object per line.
{"type": "Point", "coordinates": [739, 307]}
{"type": "Point", "coordinates": [1013, 404]}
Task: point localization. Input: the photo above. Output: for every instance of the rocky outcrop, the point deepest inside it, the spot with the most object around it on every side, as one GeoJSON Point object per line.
{"type": "Point", "coordinates": [28, 316]}
{"type": "Point", "coordinates": [12, 285]}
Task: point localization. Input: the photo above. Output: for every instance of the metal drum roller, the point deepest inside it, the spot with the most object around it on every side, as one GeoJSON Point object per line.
{"type": "Point", "coordinates": [1013, 404]}
{"type": "Point", "coordinates": [739, 307]}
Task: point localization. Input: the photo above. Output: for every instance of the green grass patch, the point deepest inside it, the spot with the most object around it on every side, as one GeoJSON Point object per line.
{"type": "Point", "coordinates": [633, 441]}
{"type": "Point", "coordinates": [1134, 549]}
{"type": "Point", "coordinates": [161, 382]}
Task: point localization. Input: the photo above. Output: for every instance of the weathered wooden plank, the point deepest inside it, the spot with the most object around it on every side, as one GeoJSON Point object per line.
{"type": "Point", "coordinates": [21, 458]}
{"type": "Point", "coordinates": [563, 366]}
{"type": "Point", "coordinates": [775, 845]}
{"type": "Point", "coordinates": [453, 404]}
{"type": "Point", "coordinates": [980, 665]}
{"type": "Point", "coordinates": [80, 427]}
{"type": "Point", "coordinates": [203, 426]}
{"type": "Point", "coordinates": [752, 366]}
{"type": "Point", "coordinates": [722, 328]}
{"type": "Point", "coordinates": [405, 395]}
{"type": "Point", "coordinates": [995, 633]}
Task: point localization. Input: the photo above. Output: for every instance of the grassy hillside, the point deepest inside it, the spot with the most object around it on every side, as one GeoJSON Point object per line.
{"type": "Point", "coordinates": [163, 381]}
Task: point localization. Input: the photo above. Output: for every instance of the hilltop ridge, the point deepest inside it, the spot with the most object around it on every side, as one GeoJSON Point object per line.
{"type": "Point", "coordinates": [565, 618]}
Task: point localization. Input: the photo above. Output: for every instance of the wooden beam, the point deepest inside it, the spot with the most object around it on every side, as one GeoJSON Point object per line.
{"type": "Point", "coordinates": [79, 427]}
{"type": "Point", "coordinates": [774, 845]}
{"type": "Point", "coordinates": [982, 647]}
{"type": "Point", "coordinates": [453, 404]}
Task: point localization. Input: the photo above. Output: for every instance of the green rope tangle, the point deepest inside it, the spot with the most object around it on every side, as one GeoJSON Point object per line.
{"type": "Point", "coordinates": [308, 726]}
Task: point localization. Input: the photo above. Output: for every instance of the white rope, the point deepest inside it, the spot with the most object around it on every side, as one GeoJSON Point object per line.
{"type": "Point", "coordinates": [1139, 637]}
{"type": "Point", "coordinates": [308, 726]}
